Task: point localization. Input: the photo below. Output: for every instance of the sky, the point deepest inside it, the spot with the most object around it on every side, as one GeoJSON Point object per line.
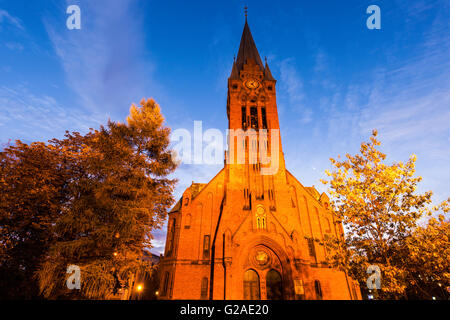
{"type": "Point", "coordinates": [337, 80]}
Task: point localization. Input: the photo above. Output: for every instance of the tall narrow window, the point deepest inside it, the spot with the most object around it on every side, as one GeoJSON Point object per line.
{"type": "Point", "coordinates": [312, 250]}
{"type": "Point", "coordinates": [261, 218]}
{"type": "Point", "coordinates": [254, 117]}
{"type": "Point", "coordinates": [166, 284]}
{"type": "Point", "coordinates": [171, 238]}
{"type": "Point", "coordinates": [264, 118]}
{"type": "Point", "coordinates": [204, 289]}
{"type": "Point", "coordinates": [251, 285]}
{"type": "Point", "coordinates": [318, 289]}
{"type": "Point", "coordinates": [262, 223]}
{"type": "Point", "coordinates": [244, 118]}
{"type": "Point", "coordinates": [206, 240]}
{"type": "Point", "coordinates": [355, 296]}
{"type": "Point", "coordinates": [187, 224]}
{"type": "Point", "coordinates": [328, 230]}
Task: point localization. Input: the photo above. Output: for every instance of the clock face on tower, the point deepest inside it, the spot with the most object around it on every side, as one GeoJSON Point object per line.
{"type": "Point", "coordinates": [252, 84]}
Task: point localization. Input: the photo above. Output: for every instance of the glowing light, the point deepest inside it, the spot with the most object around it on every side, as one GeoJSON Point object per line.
{"type": "Point", "coordinates": [139, 287]}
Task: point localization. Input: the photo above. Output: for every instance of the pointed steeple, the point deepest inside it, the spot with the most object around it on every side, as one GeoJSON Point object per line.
{"type": "Point", "coordinates": [247, 49]}
{"type": "Point", "coordinates": [267, 73]}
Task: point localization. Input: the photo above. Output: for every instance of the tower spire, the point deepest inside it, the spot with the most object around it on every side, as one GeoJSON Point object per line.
{"type": "Point", "coordinates": [247, 49]}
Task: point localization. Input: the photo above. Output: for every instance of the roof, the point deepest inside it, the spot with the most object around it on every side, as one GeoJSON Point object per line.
{"type": "Point", "coordinates": [149, 256]}
{"type": "Point", "coordinates": [313, 191]}
{"type": "Point", "coordinates": [247, 49]}
{"type": "Point", "coordinates": [195, 189]}
{"type": "Point", "coordinates": [267, 73]}
{"type": "Point", "coordinates": [177, 206]}
{"type": "Point", "coordinates": [234, 72]}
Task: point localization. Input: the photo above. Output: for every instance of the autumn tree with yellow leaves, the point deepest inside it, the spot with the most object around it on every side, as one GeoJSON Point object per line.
{"type": "Point", "coordinates": [427, 257]}
{"type": "Point", "coordinates": [380, 209]}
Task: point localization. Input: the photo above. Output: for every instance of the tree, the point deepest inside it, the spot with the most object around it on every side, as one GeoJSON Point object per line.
{"type": "Point", "coordinates": [379, 208]}
{"type": "Point", "coordinates": [119, 194]}
{"type": "Point", "coordinates": [427, 257]}
{"type": "Point", "coordinates": [33, 188]}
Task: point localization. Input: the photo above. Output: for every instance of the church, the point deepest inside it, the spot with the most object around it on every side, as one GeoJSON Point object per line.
{"type": "Point", "coordinates": [246, 235]}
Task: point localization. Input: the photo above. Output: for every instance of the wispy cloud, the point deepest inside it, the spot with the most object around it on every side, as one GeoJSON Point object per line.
{"type": "Point", "coordinates": [39, 115]}
{"type": "Point", "coordinates": [291, 80]}
{"type": "Point", "coordinates": [7, 18]}
{"type": "Point", "coordinates": [103, 61]}
{"type": "Point", "coordinates": [321, 61]}
{"type": "Point", "coordinates": [292, 87]}
{"type": "Point", "coordinates": [15, 46]}
{"type": "Point", "coordinates": [411, 100]}
{"type": "Point", "coordinates": [407, 98]}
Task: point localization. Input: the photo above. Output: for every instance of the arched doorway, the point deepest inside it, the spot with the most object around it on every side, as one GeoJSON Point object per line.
{"type": "Point", "coordinates": [251, 285]}
{"type": "Point", "coordinates": [274, 285]}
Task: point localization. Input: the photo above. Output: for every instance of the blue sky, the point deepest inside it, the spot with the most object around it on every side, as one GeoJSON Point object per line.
{"type": "Point", "coordinates": [337, 80]}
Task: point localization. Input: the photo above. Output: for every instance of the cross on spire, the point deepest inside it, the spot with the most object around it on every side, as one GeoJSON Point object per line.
{"type": "Point", "coordinates": [246, 12]}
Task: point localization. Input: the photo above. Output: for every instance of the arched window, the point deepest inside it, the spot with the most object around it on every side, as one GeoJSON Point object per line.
{"type": "Point", "coordinates": [318, 289]}
{"type": "Point", "coordinates": [166, 283]}
{"type": "Point", "coordinates": [206, 246]}
{"type": "Point", "coordinates": [244, 118]}
{"type": "Point", "coordinates": [254, 118]}
{"type": "Point", "coordinates": [274, 285]}
{"type": "Point", "coordinates": [171, 237]}
{"type": "Point", "coordinates": [355, 296]}
{"type": "Point", "coordinates": [264, 118]}
{"type": "Point", "coordinates": [328, 230]}
{"type": "Point", "coordinates": [187, 223]}
{"type": "Point", "coordinates": [251, 285]}
{"type": "Point", "coordinates": [204, 290]}
{"type": "Point", "coordinates": [261, 223]}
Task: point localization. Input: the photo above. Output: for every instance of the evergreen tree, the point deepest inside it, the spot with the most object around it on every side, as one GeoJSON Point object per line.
{"type": "Point", "coordinates": [119, 194]}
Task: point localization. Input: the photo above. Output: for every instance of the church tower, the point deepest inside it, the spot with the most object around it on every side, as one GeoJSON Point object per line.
{"type": "Point", "coordinates": [254, 231]}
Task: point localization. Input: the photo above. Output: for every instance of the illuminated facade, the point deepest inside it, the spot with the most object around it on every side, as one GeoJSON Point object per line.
{"type": "Point", "coordinates": [245, 234]}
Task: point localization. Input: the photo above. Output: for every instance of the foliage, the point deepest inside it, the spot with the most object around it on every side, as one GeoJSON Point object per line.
{"type": "Point", "coordinates": [93, 200]}
{"type": "Point", "coordinates": [33, 188]}
{"type": "Point", "coordinates": [380, 209]}
{"type": "Point", "coordinates": [427, 257]}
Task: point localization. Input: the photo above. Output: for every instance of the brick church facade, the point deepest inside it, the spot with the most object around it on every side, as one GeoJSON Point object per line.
{"type": "Point", "coordinates": [248, 235]}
